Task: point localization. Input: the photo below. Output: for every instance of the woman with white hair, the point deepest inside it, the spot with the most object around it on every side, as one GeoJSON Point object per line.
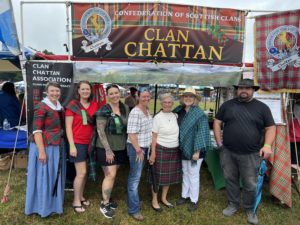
{"type": "Point", "coordinates": [165, 155]}
{"type": "Point", "coordinates": [194, 141]}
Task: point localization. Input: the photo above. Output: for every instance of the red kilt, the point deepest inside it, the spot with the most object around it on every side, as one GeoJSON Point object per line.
{"type": "Point", "coordinates": [167, 166]}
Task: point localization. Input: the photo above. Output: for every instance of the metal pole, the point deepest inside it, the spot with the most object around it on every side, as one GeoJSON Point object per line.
{"type": "Point", "coordinates": [68, 31]}
{"type": "Point", "coordinates": [155, 99]}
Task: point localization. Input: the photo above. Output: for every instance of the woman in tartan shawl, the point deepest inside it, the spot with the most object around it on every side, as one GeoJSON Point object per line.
{"type": "Point", "coordinates": [110, 145]}
{"type": "Point", "coordinates": [194, 141]}
{"type": "Point", "coordinates": [79, 129]}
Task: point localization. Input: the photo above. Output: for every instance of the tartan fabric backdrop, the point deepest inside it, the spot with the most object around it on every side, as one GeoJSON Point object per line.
{"type": "Point", "coordinates": [222, 29]}
{"type": "Point", "coordinates": [277, 51]}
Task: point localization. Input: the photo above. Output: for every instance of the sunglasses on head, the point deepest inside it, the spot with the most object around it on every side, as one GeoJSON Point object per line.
{"type": "Point", "coordinates": [143, 89]}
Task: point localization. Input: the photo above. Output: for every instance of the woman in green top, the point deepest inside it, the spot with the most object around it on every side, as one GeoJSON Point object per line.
{"type": "Point", "coordinates": [111, 127]}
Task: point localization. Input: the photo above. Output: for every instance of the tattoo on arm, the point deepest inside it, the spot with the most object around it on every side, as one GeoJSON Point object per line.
{"type": "Point", "coordinates": [102, 136]}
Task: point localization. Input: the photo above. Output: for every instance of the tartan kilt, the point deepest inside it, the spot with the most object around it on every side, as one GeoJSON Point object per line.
{"type": "Point", "coordinates": [168, 169]}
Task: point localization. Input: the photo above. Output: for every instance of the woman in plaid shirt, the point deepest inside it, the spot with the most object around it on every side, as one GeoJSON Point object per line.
{"type": "Point", "coordinates": [139, 129]}
{"type": "Point", "coordinates": [46, 165]}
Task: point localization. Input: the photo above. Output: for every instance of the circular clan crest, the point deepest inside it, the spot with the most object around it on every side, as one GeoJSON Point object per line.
{"type": "Point", "coordinates": [95, 24]}
{"type": "Point", "coordinates": [281, 41]}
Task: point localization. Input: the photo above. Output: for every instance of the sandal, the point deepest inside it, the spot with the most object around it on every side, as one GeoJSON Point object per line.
{"type": "Point", "coordinates": [85, 203]}
{"type": "Point", "coordinates": [78, 208]}
{"type": "Point", "coordinates": [138, 217]}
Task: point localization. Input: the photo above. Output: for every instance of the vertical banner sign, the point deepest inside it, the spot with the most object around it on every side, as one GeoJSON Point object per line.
{"type": "Point", "coordinates": [277, 58]}
{"type": "Point", "coordinates": [157, 32]}
{"type": "Point", "coordinates": [38, 74]}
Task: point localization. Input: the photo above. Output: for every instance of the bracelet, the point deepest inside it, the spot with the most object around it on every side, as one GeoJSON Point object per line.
{"type": "Point", "coordinates": [267, 145]}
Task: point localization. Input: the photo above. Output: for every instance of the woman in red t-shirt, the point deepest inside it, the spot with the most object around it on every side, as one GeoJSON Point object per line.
{"type": "Point", "coordinates": [79, 129]}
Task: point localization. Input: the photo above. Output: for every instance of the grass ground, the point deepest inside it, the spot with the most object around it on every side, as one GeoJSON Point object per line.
{"type": "Point", "coordinates": [211, 204]}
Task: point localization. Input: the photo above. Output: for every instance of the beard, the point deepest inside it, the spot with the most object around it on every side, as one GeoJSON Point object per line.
{"type": "Point", "coordinates": [244, 97]}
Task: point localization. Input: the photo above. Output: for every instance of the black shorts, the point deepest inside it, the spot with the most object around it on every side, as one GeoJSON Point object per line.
{"type": "Point", "coordinates": [120, 157]}
{"type": "Point", "coordinates": [82, 153]}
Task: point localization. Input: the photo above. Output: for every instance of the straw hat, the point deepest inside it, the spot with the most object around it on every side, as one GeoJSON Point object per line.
{"type": "Point", "coordinates": [246, 83]}
{"type": "Point", "coordinates": [192, 91]}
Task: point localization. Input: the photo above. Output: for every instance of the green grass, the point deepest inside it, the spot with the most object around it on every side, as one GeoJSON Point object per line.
{"type": "Point", "coordinates": [211, 203]}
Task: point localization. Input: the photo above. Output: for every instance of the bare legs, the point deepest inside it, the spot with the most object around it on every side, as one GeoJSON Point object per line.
{"type": "Point", "coordinates": [108, 181]}
{"type": "Point", "coordinates": [79, 183]}
{"type": "Point", "coordinates": [164, 200]}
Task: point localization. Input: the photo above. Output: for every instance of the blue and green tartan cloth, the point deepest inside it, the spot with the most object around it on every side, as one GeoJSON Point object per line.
{"type": "Point", "coordinates": [194, 132]}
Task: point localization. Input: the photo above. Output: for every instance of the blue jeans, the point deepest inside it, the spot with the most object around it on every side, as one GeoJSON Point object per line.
{"type": "Point", "coordinates": [236, 166]}
{"type": "Point", "coordinates": [134, 179]}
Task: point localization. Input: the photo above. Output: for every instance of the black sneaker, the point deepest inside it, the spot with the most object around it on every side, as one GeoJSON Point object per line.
{"type": "Point", "coordinates": [106, 210]}
{"type": "Point", "coordinates": [193, 206]}
{"type": "Point", "coordinates": [182, 201]}
{"type": "Point", "coordinates": [112, 204]}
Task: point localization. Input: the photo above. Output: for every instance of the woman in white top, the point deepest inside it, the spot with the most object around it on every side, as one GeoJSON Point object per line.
{"type": "Point", "coordinates": [165, 155]}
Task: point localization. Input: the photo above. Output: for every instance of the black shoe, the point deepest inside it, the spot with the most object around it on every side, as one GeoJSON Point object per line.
{"type": "Point", "coordinates": [113, 205]}
{"type": "Point", "coordinates": [157, 209]}
{"type": "Point", "coordinates": [193, 206]}
{"type": "Point", "coordinates": [169, 205]}
{"type": "Point", "coordinates": [182, 201]}
{"type": "Point", "coordinates": [106, 210]}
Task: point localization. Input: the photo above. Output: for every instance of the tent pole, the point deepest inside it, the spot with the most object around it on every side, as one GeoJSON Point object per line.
{"type": "Point", "coordinates": [155, 99]}
{"type": "Point", "coordinates": [68, 47]}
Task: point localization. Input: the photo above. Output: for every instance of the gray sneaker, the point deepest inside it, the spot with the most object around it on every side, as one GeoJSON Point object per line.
{"type": "Point", "coordinates": [230, 210]}
{"type": "Point", "coordinates": [252, 218]}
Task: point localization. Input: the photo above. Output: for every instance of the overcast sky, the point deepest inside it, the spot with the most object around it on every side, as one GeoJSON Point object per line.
{"type": "Point", "coordinates": [44, 25]}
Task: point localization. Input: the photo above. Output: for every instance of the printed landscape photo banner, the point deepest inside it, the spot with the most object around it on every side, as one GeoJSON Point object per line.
{"type": "Point", "coordinates": [277, 66]}
{"type": "Point", "coordinates": [157, 32]}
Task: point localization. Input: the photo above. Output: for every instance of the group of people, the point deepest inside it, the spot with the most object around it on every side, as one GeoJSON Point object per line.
{"type": "Point", "coordinates": [174, 143]}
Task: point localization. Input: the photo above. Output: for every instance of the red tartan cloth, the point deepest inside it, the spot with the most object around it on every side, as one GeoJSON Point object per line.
{"type": "Point", "coordinates": [280, 174]}
{"type": "Point", "coordinates": [277, 64]}
{"type": "Point", "coordinates": [48, 120]}
{"type": "Point", "coordinates": [99, 95]}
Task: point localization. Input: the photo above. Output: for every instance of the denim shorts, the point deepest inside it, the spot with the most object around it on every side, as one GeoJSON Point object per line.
{"type": "Point", "coordinates": [82, 153]}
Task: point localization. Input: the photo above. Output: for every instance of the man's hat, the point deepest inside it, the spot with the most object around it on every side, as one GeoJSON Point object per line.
{"type": "Point", "coordinates": [246, 83]}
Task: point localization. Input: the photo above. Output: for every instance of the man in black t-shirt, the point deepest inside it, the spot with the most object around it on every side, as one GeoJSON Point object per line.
{"type": "Point", "coordinates": [245, 121]}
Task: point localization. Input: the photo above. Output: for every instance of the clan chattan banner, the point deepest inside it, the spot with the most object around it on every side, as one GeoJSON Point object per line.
{"type": "Point", "coordinates": [157, 31]}
{"type": "Point", "coordinates": [38, 74]}
{"type": "Point", "coordinates": [277, 51]}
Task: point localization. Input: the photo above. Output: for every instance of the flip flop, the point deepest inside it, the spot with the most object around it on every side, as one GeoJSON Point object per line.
{"type": "Point", "coordinates": [76, 207]}
{"type": "Point", "coordinates": [85, 203]}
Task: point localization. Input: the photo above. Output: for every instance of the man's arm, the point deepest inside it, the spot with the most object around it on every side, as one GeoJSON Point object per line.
{"type": "Point", "coordinates": [217, 132]}
{"type": "Point", "coordinates": [266, 150]}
